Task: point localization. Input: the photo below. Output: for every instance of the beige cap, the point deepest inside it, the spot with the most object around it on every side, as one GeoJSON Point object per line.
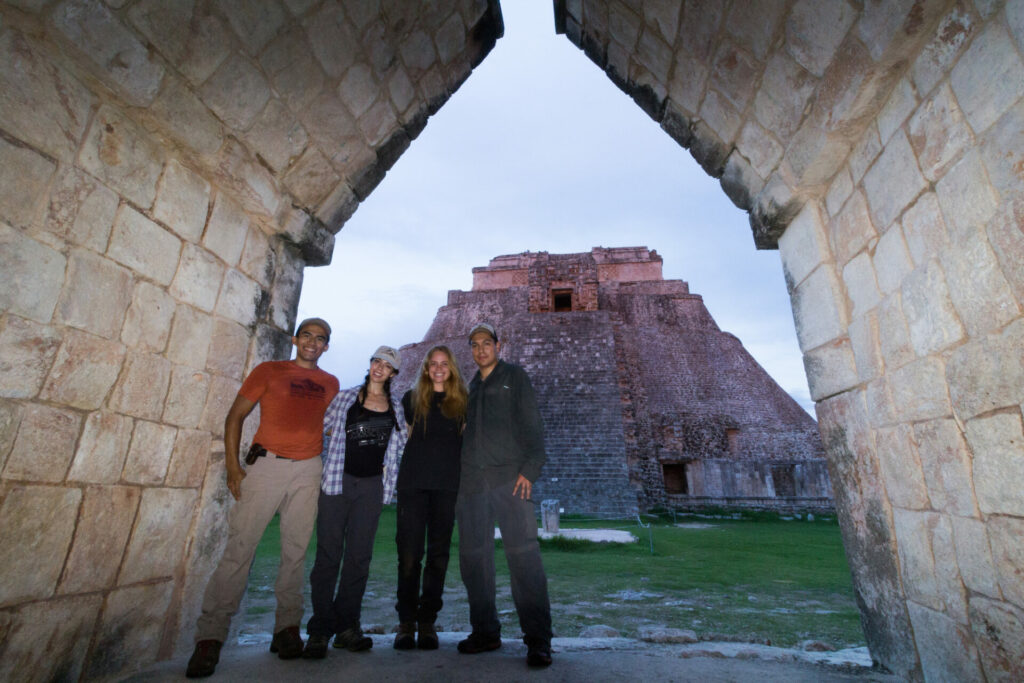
{"type": "Point", "coordinates": [389, 356]}
{"type": "Point", "coordinates": [483, 327]}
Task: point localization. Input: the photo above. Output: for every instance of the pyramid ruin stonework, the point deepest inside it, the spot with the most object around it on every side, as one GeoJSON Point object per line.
{"type": "Point", "coordinates": [646, 402]}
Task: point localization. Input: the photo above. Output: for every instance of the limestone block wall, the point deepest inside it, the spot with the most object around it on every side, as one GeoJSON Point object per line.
{"type": "Point", "coordinates": [167, 169]}
{"type": "Point", "coordinates": [880, 147]}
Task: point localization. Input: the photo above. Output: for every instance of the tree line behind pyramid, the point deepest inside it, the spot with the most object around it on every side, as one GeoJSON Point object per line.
{"type": "Point", "coordinates": [646, 403]}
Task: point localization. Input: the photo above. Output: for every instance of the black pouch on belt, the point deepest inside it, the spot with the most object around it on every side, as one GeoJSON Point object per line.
{"type": "Point", "coordinates": [255, 451]}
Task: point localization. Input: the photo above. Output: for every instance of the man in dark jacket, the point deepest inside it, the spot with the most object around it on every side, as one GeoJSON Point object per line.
{"type": "Point", "coordinates": [502, 455]}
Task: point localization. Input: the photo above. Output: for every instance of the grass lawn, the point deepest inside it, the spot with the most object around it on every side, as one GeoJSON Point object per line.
{"type": "Point", "coordinates": [762, 580]}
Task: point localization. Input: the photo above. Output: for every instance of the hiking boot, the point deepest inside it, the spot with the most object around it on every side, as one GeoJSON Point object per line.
{"type": "Point", "coordinates": [427, 638]}
{"type": "Point", "coordinates": [405, 637]}
{"type": "Point", "coordinates": [479, 642]}
{"type": "Point", "coordinates": [287, 643]}
{"type": "Point", "coordinates": [353, 639]}
{"type": "Point", "coordinates": [538, 655]}
{"type": "Point", "coordinates": [316, 647]}
{"type": "Point", "coordinates": [204, 659]}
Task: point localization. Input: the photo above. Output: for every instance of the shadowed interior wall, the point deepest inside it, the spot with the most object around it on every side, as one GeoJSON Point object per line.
{"type": "Point", "coordinates": [167, 169]}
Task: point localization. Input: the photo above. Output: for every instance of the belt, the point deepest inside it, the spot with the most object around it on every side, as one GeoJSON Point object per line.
{"type": "Point", "coordinates": [268, 454]}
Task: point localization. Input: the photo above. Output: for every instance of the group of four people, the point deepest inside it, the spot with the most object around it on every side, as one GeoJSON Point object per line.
{"type": "Point", "coordinates": [337, 456]}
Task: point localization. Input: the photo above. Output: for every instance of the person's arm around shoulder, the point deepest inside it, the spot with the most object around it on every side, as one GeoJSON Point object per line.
{"type": "Point", "coordinates": [240, 409]}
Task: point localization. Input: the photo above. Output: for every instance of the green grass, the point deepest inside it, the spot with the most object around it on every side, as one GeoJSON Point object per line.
{"type": "Point", "coordinates": [762, 580]}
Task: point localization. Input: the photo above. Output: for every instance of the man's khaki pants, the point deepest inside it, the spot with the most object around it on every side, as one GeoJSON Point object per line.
{"type": "Point", "coordinates": [271, 485]}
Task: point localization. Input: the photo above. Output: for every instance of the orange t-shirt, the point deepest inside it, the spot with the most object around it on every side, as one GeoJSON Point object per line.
{"type": "Point", "coordinates": [292, 404]}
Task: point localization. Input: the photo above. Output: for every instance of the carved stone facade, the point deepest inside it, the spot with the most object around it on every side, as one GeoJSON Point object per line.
{"type": "Point", "coordinates": [646, 402]}
{"type": "Point", "coordinates": [168, 168]}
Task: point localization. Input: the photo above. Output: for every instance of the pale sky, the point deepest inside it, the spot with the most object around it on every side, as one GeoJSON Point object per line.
{"type": "Point", "coordinates": [540, 151]}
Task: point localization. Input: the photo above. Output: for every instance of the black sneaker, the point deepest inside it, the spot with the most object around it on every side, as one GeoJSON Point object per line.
{"type": "Point", "coordinates": [204, 659]}
{"type": "Point", "coordinates": [353, 639]}
{"type": "Point", "coordinates": [316, 647]}
{"type": "Point", "coordinates": [287, 643]}
{"type": "Point", "coordinates": [479, 642]}
{"type": "Point", "coordinates": [538, 655]}
{"type": "Point", "coordinates": [405, 637]}
{"type": "Point", "coordinates": [427, 638]}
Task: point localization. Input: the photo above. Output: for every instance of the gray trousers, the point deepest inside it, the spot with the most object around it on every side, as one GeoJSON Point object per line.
{"type": "Point", "coordinates": [271, 485]}
{"type": "Point", "coordinates": [477, 513]}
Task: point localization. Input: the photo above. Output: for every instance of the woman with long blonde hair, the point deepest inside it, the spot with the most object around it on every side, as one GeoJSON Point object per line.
{"type": "Point", "coordinates": [428, 483]}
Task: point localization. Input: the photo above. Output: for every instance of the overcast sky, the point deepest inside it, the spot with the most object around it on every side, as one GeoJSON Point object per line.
{"type": "Point", "coordinates": [539, 151]}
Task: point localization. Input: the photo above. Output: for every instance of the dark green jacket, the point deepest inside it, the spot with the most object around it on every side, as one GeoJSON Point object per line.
{"type": "Point", "coordinates": [504, 435]}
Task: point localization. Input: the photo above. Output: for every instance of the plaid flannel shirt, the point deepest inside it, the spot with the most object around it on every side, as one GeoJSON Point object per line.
{"type": "Point", "coordinates": [334, 444]}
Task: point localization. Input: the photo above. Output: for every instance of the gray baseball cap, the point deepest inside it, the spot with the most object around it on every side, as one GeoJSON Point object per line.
{"type": "Point", "coordinates": [389, 356]}
{"type": "Point", "coordinates": [483, 327]}
{"type": "Point", "coordinates": [314, 321]}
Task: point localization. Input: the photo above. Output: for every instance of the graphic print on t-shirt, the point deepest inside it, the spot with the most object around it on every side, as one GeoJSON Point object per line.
{"type": "Point", "coordinates": [306, 389]}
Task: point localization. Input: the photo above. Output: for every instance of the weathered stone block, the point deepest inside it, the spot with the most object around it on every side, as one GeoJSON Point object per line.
{"type": "Point", "coordinates": [401, 89]}
{"type": "Point", "coordinates": [830, 369]}
{"type": "Point", "coordinates": [85, 369]}
{"type": "Point", "coordinates": [254, 23]}
{"type": "Point", "coordinates": [236, 92]}
{"type": "Point", "coordinates": [785, 90]}
{"type": "Point", "coordinates": [142, 387]}
{"type": "Point", "coordinates": [103, 528]}
{"type": "Point", "coordinates": [851, 230]}
{"type": "Point", "coordinates": [760, 147]}
{"type": "Point", "coordinates": [919, 390]}
{"type": "Point", "coordinates": [1002, 151]}
{"type": "Point", "coordinates": [40, 103]}
{"type": "Point", "coordinates": [1007, 240]}
{"type": "Point", "coordinates": [96, 294]}
{"type": "Point", "coordinates": [257, 260]}
{"type": "Point", "coordinates": [192, 39]}
{"type": "Point", "coordinates": [133, 619]}
{"type": "Point", "coordinates": [987, 374]}
{"type": "Point", "coordinates": [186, 397]}
{"type": "Point", "coordinates": [804, 245]}
{"type": "Point", "coordinates": [894, 337]}
{"type": "Point", "coordinates": [277, 136]}
{"type": "Point", "coordinates": [974, 557]}
{"type": "Point", "coordinates": [33, 275]}
{"type": "Point", "coordinates": [997, 442]}
{"type": "Point", "coordinates": [938, 133]}
{"type": "Point", "coordinates": [149, 453]}
{"type": "Point", "coordinates": [331, 38]}
{"type": "Point", "coordinates": [935, 635]}
{"type": "Point", "coordinates": [225, 234]}
{"type": "Point", "coordinates": [69, 621]}
{"type": "Point", "coordinates": [190, 337]}
{"type": "Point", "coordinates": [10, 419]}
{"type": "Point", "coordinates": [886, 198]}
{"type": "Point", "coordinates": [925, 229]}
{"type": "Point", "coordinates": [814, 154]}
{"type": "Point", "coordinates": [881, 411]}
{"type": "Point", "coordinates": [198, 279]}
{"type": "Point", "coordinates": [753, 25]}
{"type": "Point", "coordinates": [819, 308]}
{"type": "Point", "coordinates": [977, 287]}
{"type": "Point", "coordinates": [379, 122]}
{"type": "Point", "coordinates": [861, 284]}
{"type": "Point", "coordinates": [148, 322]}
{"type": "Point", "coordinates": [290, 63]}
{"type": "Point", "coordinates": [228, 348]}
{"type": "Point", "coordinates": [891, 261]}
{"type": "Point", "coordinates": [814, 31]}
{"type": "Point", "coordinates": [190, 458]}
{"type": "Point", "coordinates": [999, 631]}
{"type": "Point", "coordinates": [45, 444]}
{"type": "Point", "coordinates": [901, 469]}
{"type": "Point", "coordinates": [686, 89]}
{"type": "Point", "coordinates": [839, 191]}
{"type": "Point", "coordinates": [914, 535]}
{"type": "Point", "coordinates": [867, 353]}
{"type": "Point", "coordinates": [24, 175]}
{"type": "Point", "coordinates": [222, 394]}
{"type": "Point", "coordinates": [240, 298]}
{"type": "Point", "coordinates": [80, 211]}
{"type": "Point", "coordinates": [182, 201]}
{"type": "Point", "coordinates": [865, 152]}
{"type": "Point", "coordinates": [144, 246]}
{"type": "Point", "coordinates": [1004, 534]}
{"type": "Point", "coordinates": [117, 56]}
{"type": "Point", "coordinates": [898, 107]}
{"type": "Point", "coordinates": [358, 89]}
{"type": "Point", "coordinates": [121, 154]}
{"type": "Point", "coordinates": [933, 62]}
{"type": "Point", "coordinates": [931, 318]}
{"type": "Point", "coordinates": [991, 58]}
{"type": "Point", "coordinates": [158, 539]}
{"type": "Point", "coordinates": [39, 521]}
{"type": "Point", "coordinates": [451, 39]}
{"type": "Point", "coordinates": [967, 199]}
{"type": "Point", "coordinates": [947, 466]}
{"type": "Point", "coordinates": [102, 449]}
{"type": "Point", "coordinates": [27, 350]}
{"type": "Point", "coordinates": [740, 181]}
{"type": "Point", "coordinates": [311, 178]}
{"type": "Point", "coordinates": [735, 73]}
{"type": "Point", "coordinates": [186, 119]}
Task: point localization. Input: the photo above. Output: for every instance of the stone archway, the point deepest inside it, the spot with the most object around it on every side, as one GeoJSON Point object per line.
{"type": "Point", "coordinates": [168, 169]}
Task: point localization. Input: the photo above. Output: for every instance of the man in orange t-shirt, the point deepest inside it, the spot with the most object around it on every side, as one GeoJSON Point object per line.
{"type": "Point", "coordinates": [284, 478]}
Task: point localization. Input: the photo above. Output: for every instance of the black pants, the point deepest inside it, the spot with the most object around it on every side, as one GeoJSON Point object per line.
{"type": "Point", "coordinates": [431, 515]}
{"type": "Point", "coordinates": [345, 527]}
